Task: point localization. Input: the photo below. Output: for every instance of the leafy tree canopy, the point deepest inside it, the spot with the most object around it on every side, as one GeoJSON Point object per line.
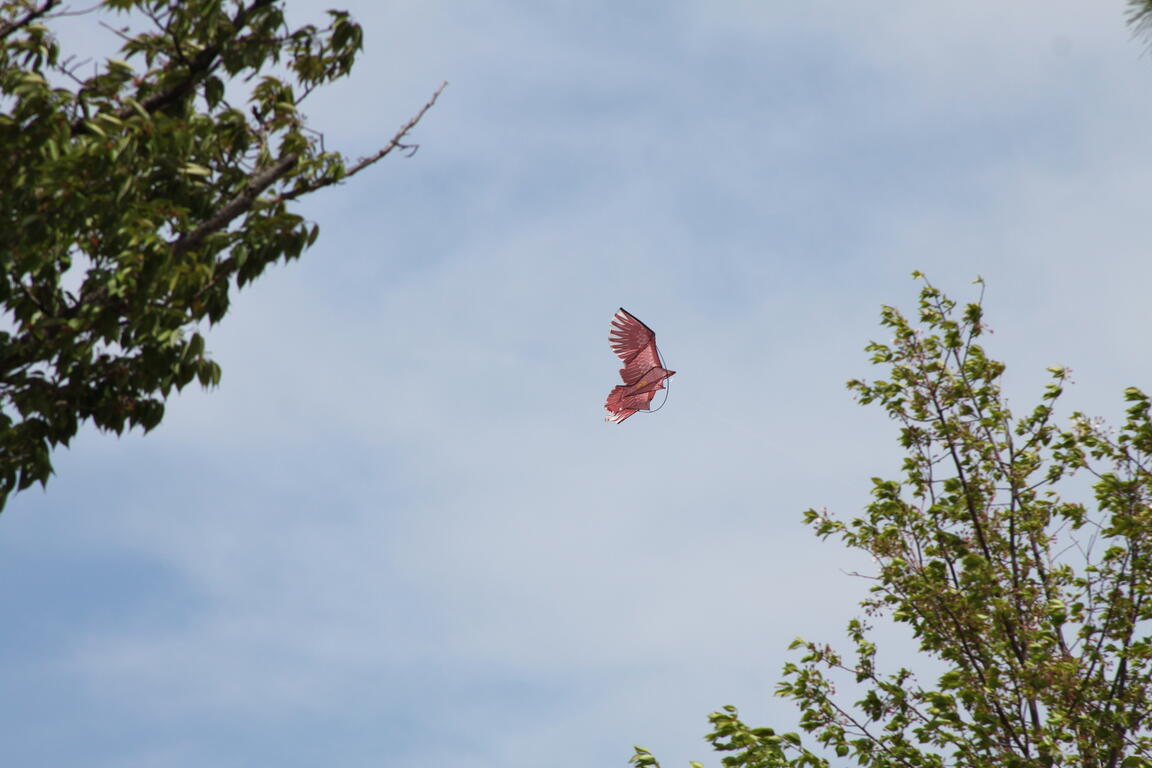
{"type": "Point", "coordinates": [1034, 607]}
{"type": "Point", "coordinates": [137, 193]}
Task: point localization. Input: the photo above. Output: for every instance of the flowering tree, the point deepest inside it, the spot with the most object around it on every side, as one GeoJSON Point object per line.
{"type": "Point", "coordinates": [1034, 607]}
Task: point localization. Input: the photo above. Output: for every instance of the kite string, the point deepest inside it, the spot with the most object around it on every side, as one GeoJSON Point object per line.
{"type": "Point", "coordinates": [667, 384]}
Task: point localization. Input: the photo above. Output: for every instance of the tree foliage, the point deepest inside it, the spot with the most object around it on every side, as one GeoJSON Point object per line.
{"type": "Point", "coordinates": [1140, 15]}
{"type": "Point", "coordinates": [137, 193]}
{"type": "Point", "coordinates": [1033, 606]}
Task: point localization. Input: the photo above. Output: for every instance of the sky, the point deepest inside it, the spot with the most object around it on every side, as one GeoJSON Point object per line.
{"type": "Point", "coordinates": [400, 533]}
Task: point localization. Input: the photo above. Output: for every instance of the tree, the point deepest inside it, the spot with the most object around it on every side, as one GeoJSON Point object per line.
{"type": "Point", "coordinates": [136, 197]}
{"type": "Point", "coordinates": [1033, 606]}
{"type": "Point", "coordinates": [1140, 16]}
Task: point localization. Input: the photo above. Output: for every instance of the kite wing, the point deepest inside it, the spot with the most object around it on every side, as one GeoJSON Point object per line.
{"type": "Point", "coordinates": [643, 372]}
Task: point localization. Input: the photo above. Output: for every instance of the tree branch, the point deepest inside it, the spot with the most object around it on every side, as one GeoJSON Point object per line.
{"type": "Point", "coordinates": [8, 28]}
{"type": "Point", "coordinates": [238, 205]}
{"type": "Point", "coordinates": [395, 143]}
{"type": "Point", "coordinates": [200, 67]}
{"type": "Point", "coordinates": [262, 180]}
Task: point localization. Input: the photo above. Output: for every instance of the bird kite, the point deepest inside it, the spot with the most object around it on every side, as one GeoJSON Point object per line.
{"type": "Point", "coordinates": [643, 372]}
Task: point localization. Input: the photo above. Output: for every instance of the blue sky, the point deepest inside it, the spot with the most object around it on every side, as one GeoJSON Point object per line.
{"type": "Point", "coordinates": [399, 532]}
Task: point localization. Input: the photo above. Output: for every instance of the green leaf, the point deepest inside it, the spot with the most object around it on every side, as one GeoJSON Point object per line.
{"type": "Point", "coordinates": [133, 189]}
{"type": "Point", "coordinates": [193, 169]}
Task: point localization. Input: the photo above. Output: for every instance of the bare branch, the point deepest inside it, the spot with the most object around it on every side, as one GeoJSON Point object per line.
{"type": "Point", "coordinates": [121, 33]}
{"type": "Point", "coordinates": [68, 69]}
{"type": "Point", "coordinates": [261, 181]}
{"type": "Point", "coordinates": [81, 12]}
{"type": "Point", "coordinates": [394, 144]}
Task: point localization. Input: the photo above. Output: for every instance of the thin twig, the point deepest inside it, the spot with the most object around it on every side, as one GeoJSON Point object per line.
{"type": "Point", "coordinates": [261, 181]}
{"type": "Point", "coordinates": [395, 143]}
{"type": "Point", "coordinates": [68, 69]}
{"type": "Point", "coordinates": [82, 12]}
{"type": "Point", "coordinates": [121, 33]}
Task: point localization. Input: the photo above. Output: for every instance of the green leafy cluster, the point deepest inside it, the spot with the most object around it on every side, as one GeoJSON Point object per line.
{"type": "Point", "coordinates": [137, 195]}
{"type": "Point", "coordinates": [1034, 609]}
{"type": "Point", "coordinates": [1140, 16]}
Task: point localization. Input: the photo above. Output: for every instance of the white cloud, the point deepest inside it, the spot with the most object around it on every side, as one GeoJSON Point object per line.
{"type": "Point", "coordinates": [402, 509]}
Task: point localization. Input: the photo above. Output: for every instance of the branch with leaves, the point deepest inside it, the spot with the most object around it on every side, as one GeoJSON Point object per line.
{"type": "Point", "coordinates": [1040, 643]}
{"type": "Point", "coordinates": [136, 201]}
{"type": "Point", "coordinates": [10, 26]}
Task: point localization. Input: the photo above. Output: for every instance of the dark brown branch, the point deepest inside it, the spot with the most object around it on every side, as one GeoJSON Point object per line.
{"type": "Point", "coordinates": [10, 27]}
{"type": "Point", "coordinates": [238, 205]}
{"type": "Point", "coordinates": [394, 144]}
{"type": "Point", "coordinates": [202, 65]}
{"type": "Point", "coordinates": [967, 490]}
{"type": "Point", "coordinates": [975, 655]}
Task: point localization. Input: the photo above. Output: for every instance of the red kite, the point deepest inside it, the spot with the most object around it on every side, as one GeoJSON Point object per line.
{"type": "Point", "coordinates": [643, 372]}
